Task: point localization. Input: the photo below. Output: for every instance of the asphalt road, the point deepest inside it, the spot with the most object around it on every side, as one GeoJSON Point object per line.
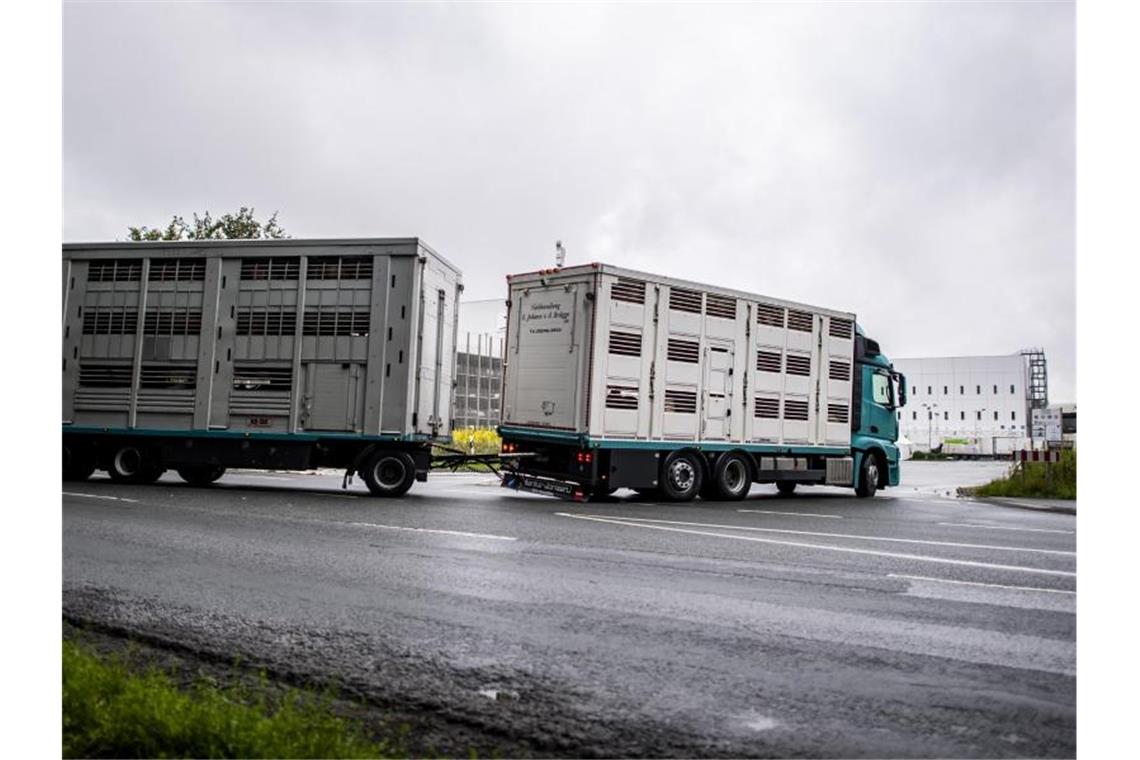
{"type": "Point", "coordinates": [817, 625]}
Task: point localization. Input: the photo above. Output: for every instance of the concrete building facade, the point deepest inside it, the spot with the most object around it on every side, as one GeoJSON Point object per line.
{"type": "Point", "coordinates": [479, 363]}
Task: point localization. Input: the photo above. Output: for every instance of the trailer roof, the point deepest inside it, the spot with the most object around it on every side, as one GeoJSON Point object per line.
{"type": "Point", "coordinates": [594, 267]}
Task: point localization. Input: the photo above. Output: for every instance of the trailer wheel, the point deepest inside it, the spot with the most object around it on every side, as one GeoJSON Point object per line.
{"type": "Point", "coordinates": [129, 464]}
{"type": "Point", "coordinates": [786, 487]}
{"type": "Point", "coordinates": [868, 476]}
{"type": "Point", "coordinates": [200, 475]}
{"type": "Point", "coordinates": [732, 477]}
{"type": "Point", "coordinates": [389, 473]}
{"type": "Point", "coordinates": [77, 465]}
{"type": "Point", "coordinates": [681, 476]}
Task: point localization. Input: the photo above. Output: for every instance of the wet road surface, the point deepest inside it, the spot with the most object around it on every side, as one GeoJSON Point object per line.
{"type": "Point", "coordinates": [817, 625]}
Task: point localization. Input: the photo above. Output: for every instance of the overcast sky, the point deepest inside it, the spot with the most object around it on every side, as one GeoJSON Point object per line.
{"type": "Point", "coordinates": [913, 163]}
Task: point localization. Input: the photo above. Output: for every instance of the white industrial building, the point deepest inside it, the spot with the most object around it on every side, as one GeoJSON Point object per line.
{"type": "Point", "coordinates": [973, 404]}
{"type": "Point", "coordinates": [478, 362]}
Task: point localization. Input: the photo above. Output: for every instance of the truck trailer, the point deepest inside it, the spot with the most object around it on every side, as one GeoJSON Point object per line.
{"type": "Point", "coordinates": [615, 378]}
{"type": "Point", "coordinates": [272, 354]}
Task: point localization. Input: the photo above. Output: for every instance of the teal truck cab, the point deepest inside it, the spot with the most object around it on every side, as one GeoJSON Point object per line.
{"type": "Point", "coordinates": [877, 393]}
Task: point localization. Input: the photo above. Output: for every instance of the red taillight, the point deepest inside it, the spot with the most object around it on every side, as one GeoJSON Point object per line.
{"type": "Point", "coordinates": [585, 457]}
{"type": "Point", "coordinates": [510, 448]}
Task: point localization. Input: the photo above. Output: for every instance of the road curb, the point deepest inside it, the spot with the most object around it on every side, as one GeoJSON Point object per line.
{"type": "Point", "coordinates": [1016, 504]}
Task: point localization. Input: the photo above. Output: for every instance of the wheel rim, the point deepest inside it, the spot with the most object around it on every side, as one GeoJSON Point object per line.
{"type": "Point", "coordinates": [734, 475]}
{"type": "Point", "coordinates": [389, 473]}
{"type": "Point", "coordinates": [872, 475]}
{"type": "Point", "coordinates": [128, 462]}
{"type": "Point", "coordinates": [682, 475]}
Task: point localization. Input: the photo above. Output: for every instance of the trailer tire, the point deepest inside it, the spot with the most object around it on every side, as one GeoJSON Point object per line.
{"type": "Point", "coordinates": [200, 475]}
{"type": "Point", "coordinates": [786, 487]}
{"type": "Point", "coordinates": [868, 476]}
{"type": "Point", "coordinates": [389, 473]}
{"type": "Point", "coordinates": [130, 464]}
{"type": "Point", "coordinates": [732, 477]}
{"type": "Point", "coordinates": [77, 465]}
{"type": "Point", "coordinates": [681, 476]}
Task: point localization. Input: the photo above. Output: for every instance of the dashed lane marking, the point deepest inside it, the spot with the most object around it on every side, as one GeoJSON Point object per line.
{"type": "Point", "coordinates": [793, 514]}
{"type": "Point", "coordinates": [1007, 527]}
{"type": "Point", "coordinates": [849, 536]}
{"type": "Point", "coordinates": [823, 547]}
{"type": "Point", "coordinates": [465, 534]}
{"type": "Point", "coordinates": [101, 496]}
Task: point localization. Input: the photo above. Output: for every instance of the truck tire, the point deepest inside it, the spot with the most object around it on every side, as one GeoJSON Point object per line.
{"type": "Point", "coordinates": [681, 476]}
{"type": "Point", "coordinates": [130, 464]}
{"type": "Point", "coordinates": [786, 487]}
{"type": "Point", "coordinates": [732, 477]}
{"type": "Point", "coordinates": [200, 475]}
{"type": "Point", "coordinates": [868, 476]}
{"type": "Point", "coordinates": [389, 473]}
{"type": "Point", "coordinates": [77, 465]}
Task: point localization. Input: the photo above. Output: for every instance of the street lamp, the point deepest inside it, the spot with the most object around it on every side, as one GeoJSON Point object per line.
{"type": "Point", "coordinates": [929, 424]}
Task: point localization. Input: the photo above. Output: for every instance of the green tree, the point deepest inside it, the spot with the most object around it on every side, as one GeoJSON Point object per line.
{"type": "Point", "coordinates": [242, 225]}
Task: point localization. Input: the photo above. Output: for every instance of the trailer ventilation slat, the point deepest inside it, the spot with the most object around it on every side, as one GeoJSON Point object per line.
{"type": "Point", "coordinates": [688, 351]}
{"type": "Point", "coordinates": [767, 408]}
{"type": "Point", "coordinates": [681, 299]}
{"type": "Point", "coordinates": [111, 321]}
{"type": "Point", "coordinates": [838, 370]}
{"type": "Point", "coordinates": [837, 413]}
{"type": "Point", "coordinates": [261, 322]}
{"type": "Point", "coordinates": [172, 322]}
{"type": "Point", "coordinates": [630, 291]}
{"type": "Point", "coordinates": [249, 376]}
{"type": "Point", "coordinates": [840, 328]}
{"type": "Point", "coordinates": [800, 320]}
{"type": "Point", "coordinates": [621, 397]}
{"type": "Point", "coordinates": [795, 410]}
{"type": "Point", "coordinates": [270, 269]}
{"type": "Point", "coordinates": [172, 376]}
{"type": "Point", "coordinates": [340, 268]}
{"type": "Point", "coordinates": [766, 314]}
{"type": "Point", "coordinates": [798, 364]}
{"type": "Point", "coordinates": [625, 343]}
{"type": "Point", "coordinates": [114, 270]}
{"type": "Point", "coordinates": [680, 402]}
{"type": "Point", "coordinates": [105, 375]}
{"type": "Point", "coordinates": [177, 270]}
{"type": "Point", "coordinates": [326, 322]}
{"type": "Point", "coordinates": [768, 361]}
{"type": "Point", "coordinates": [720, 306]}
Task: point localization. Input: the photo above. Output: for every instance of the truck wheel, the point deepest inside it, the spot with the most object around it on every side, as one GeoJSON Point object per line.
{"type": "Point", "coordinates": [77, 465]}
{"type": "Point", "coordinates": [732, 477]}
{"type": "Point", "coordinates": [868, 477]}
{"type": "Point", "coordinates": [786, 487]}
{"type": "Point", "coordinates": [389, 473]}
{"type": "Point", "coordinates": [200, 475]}
{"type": "Point", "coordinates": [129, 464]}
{"type": "Point", "coordinates": [681, 476]}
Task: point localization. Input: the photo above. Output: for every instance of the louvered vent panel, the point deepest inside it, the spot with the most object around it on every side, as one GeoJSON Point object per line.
{"type": "Point", "coordinates": [114, 270]}
{"type": "Point", "coordinates": [720, 306]}
{"type": "Point", "coordinates": [177, 270]}
{"type": "Point", "coordinates": [173, 322]}
{"type": "Point", "coordinates": [766, 314]}
{"type": "Point", "coordinates": [681, 299]}
{"type": "Point", "coordinates": [271, 269]}
{"type": "Point", "coordinates": [170, 376]}
{"type": "Point", "coordinates": [688, 351]}
{"type": "Point", "coordinates": [260, 322]}
{"type": "Point", "coordinates": [680, 402]}
{"type": "Point", "coordinates": [105, 375]}
{"type": "Point", "coordinates": [625, 343]}
{"type": "Point", "coordinates": [768, 361]}
{"type": "Point", "coordinates": [837, 413]}
{"type": "Point", "coordinates": [340, 268]}
{"type": "Point", "coordinates": [110, 321]}
{"type": "Point", "coordinates": [798, 364]}
{"type": "Point", "coordinates": [621, 397]}
{"type": "Point", "coordinates": [257, 377]}
{"type": "Point", "coordinates": [800, 320]}
{"type": "Point", "coordinates": [336, 322]}
{"type": "Point", "coordinates": [840, 328]}
{"type": "Point", "coordinates": [767, 408]}
{"type": "Point", "coordinates": [630, 291]}
{"type": "Point", "coordinates": [839, 370]}
{"type": "Point", "coordinates": [795, 410]}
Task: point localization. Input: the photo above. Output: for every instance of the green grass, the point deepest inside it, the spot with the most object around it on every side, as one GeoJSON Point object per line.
{"type": "Point", "coordinates": [1033, 479]}
{"type": "Point", "coordinates": [112, 710]}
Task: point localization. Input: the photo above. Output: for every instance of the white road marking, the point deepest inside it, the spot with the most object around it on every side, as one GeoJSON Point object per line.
{"type": "Point", "coordinates": [823, 547]}
{"type": "Point", "coordinates": [793, 514]}
{"type": "Point", "coordinates": [851, 536]}
{"type": "Point", "coordinates": [100, 496]}
{"type": "Point", "coordinates": [987, 585]}
{"type": "Point", "coordinates": [434, 530]}
{"type": "Point", "coordinates": [1005, 527]}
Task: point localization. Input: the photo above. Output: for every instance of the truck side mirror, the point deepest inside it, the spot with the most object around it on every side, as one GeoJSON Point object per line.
{"type": "Point", "coordinates": [900, 378]}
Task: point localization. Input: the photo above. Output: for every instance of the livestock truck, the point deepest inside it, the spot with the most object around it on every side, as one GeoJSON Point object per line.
{"type": "Point", "coordinates": [621, 379]}
{"type": "Point", "coordinates": [273, 354]}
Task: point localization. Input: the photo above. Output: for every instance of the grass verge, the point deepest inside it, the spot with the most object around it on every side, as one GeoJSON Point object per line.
{"type": "Point", "coordinates": [1036, 480]}
{"type": "Point", "coordinates": [113, 710]}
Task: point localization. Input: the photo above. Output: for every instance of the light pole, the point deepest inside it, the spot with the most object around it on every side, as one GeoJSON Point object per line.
{"type": "Point", "coordinates": [929, 424]}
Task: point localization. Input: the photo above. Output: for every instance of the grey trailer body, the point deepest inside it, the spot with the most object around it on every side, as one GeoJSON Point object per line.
{"type": "Point", "coordinates": [615, 378]}
{"type": "Point", "coordinates": [198, 355]}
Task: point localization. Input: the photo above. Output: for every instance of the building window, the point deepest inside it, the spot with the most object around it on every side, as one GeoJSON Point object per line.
{"type": "Point", "coordinates": [946, 415]}
{"type": "Point", "coordinates": [914, 390]}
{"type": "Point", "coordinates": [996, 417]}
{"type": "Point", "coordinates": [1013, 415]}
{"type": "Point", "coordinates": [979, 390]}
{"type": "Point", "coordinates": [929, 391]}
{"type": "Point", "coordinates": [900, 415]}
{"type": "Point", "coordinates": [945, 391]}
{"type": "Point", "coordinates": [979, 416]}
{"type": "Point", "coordinates": [995, 390]}
{"type": "Point", "coordinates": [961, 390]}
{"type": "Point", "coordinates": [1011, 390]}
{"type": "Point", "coordinates": [963, 417]}
{"type": "Point", "coordinates": [914, 415]}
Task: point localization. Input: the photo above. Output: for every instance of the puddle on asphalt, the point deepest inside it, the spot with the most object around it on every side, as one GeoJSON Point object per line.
{"type": "Point", "coordinates": [499, 695]}
{"type": "Point", "coordinates": [758, 722]}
